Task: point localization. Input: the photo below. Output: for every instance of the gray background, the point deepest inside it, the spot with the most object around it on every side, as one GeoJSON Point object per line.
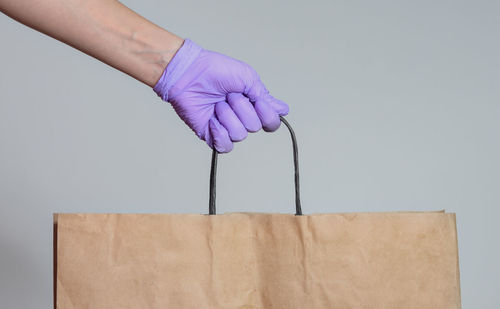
{"type": "Point", "coordinates": [395, 104]}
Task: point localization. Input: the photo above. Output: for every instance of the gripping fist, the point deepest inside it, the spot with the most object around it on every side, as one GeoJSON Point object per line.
{"type": "Point", "coordinates": [220, 98]}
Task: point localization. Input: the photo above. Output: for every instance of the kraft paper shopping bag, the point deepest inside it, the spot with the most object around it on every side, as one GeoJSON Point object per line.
{"type": "Point", "coordinates": [256, 260]}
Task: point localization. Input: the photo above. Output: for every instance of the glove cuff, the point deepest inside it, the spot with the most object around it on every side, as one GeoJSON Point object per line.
{"type": "Point", "coordinates": [184, 57]}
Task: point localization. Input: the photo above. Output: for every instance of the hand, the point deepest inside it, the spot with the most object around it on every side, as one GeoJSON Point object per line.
{"type": "Point", "coordinates": [218, 97]}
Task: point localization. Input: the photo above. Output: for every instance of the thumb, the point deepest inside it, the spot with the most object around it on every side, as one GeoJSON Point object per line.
{"type": "Point", "coordinates": [279, 106]}
{"type": "Point", "coordinates": [256, 91]}
{"type": "Point", "coordinates": [259, 92]}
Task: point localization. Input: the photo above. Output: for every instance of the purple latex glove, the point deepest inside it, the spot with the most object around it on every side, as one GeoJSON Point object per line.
{"type": "Point", "coordinates": [218, 97]}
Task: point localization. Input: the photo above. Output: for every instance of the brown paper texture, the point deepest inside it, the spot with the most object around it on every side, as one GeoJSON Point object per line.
{"type": "Point", "coordinates": [255, 260]}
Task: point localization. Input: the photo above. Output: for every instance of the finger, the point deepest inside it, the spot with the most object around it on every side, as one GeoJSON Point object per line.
{"type": "Point", "coordinates": [279, 106]}
{"type": "Point", "coordinates": [208, 137]}
{"type": "Point", "coordinates": [268, 116]}
{"type": "Point", "coordinates": [230, 121]}
{"type": "Point", "coordinates": [220, 136]}
{"type": "Point", "coordinates": [245, 111]}
{"type": "Point", "coordinates": [256, 91]}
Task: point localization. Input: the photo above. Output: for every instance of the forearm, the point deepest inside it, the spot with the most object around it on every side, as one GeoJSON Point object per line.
{"type": "Point", "coordinates": [104, 29]}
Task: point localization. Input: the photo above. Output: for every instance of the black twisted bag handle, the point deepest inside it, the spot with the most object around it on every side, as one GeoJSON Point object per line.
{"type": "Point", "coordinates": [213, 174]}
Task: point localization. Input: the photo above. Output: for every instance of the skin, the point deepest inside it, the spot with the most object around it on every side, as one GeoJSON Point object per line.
{"type": "Point", "coordinates": [104, 29]}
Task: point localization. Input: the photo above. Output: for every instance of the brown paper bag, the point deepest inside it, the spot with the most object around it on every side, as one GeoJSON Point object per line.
{"type": "Point", "coordinates": [255, 260]}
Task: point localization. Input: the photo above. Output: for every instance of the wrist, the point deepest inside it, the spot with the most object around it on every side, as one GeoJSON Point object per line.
{"type": "Point", "coordinates": [154, 47]}
{"type": "Point", "coordinates": [181, 61]}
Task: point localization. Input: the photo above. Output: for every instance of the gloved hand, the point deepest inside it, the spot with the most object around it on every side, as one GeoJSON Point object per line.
{"type": "Point", "coordinates": [218, 97]}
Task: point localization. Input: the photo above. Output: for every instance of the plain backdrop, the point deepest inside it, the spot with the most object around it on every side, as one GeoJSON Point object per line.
{"type": "Point", "coordinates": [396, 106]}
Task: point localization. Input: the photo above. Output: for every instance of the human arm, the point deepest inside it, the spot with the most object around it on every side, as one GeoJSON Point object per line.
{"type": "Point", "coordinates": [218, 97]}
{"type": "Point", "coordinates": [104, 29]}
